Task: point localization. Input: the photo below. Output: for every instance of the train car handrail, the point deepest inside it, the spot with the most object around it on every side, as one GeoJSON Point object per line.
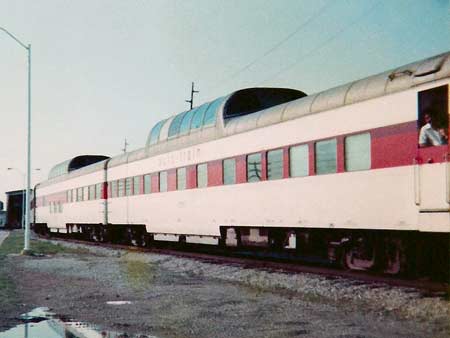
{"type": "Point", "coordinates": [416, 162]}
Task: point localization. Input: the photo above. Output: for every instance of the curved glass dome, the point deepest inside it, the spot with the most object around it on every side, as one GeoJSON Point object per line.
{"type": "Point", "coordinates": [74, 164]}
{"type": "Point", "coordinates": [239, 103]}
{"type": "Point", "coordinates": [154, 134]}
{"type": "Point", "coordinates": [185, 122]}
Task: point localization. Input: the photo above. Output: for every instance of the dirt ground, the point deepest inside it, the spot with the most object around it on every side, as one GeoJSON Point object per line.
{"type": "Point", "coordinates": [176, 297]}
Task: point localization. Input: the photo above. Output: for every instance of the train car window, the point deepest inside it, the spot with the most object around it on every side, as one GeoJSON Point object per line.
{"type": "Point", "coordinates": [229, 171]}
{"type": "Point", "coordinates": [202, 175]}
{"type": "Point", "coordinates": [326, 157]}
{"type": "Point", "coordinates": [60, 208]}
{"type": "Point", "coordinates": [147, 184]}
{"type": "Point", "coordinates": [186, 123]}
{"type": "Point", "coordinates": [114, 189]}
{"type": "Point", "coordinates": [275, 164]}
{"type": "Point", "coordinates": [432, 122]}
{"type": "Point", "coordinates": [85, 193]}
{"type": "Point", "coordinates": [181, 178]}
{"type": "Point", "coordinates": [128, 182]}
{"type": "Point", "coordinates": [136, 185]}
{"type": "Point", "coordinates": [98, 191]}
{"type": "Point", "coordinates": [50, 207]}
{"type": "Point", "coordinates": [299, 161]}
{"type": "Point", "coordinates": [254, 168]}
{"type": "Point", "coordinates": [121, 187]}
{"type": "Point", "coordinates": [79, 194]}
{"type": "Point", "coordinates": [357, 152]}
{"type": "Point", "coordinates": [175, 125]}
{"type": "Point", "coordinates": [197, 119]}
{"type": "Point", "coordinates": [210, 115]}
{"type": "Point", "coordinates": [154, 134]}
{"type": "Point", "coordinates": [91, 192]}
{"type": "Point", "coordinates": [163, 181]}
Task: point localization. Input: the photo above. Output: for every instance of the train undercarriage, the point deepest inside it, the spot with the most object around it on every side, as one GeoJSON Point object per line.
{"type": "Point", "coordinates": [409, 254]}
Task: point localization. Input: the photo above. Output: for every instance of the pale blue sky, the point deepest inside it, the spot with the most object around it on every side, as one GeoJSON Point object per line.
{"type": "Point", "coordinates": [107, 70]}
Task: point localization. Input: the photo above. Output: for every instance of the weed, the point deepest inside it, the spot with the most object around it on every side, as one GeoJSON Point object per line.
{"type": "Point", "coordinates": [13, 244]}
{"type": "Point", "coordinates": [139, 274]}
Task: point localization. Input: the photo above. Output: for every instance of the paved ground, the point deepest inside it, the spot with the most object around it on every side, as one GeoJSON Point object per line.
{"type": "Point", "coordinates": [3, 235]}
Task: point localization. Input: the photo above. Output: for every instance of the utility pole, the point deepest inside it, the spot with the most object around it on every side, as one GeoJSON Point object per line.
{"type": "Point", "coordinates": [191, 101]}
{"type": "Point", "coordinates": [125, 144]}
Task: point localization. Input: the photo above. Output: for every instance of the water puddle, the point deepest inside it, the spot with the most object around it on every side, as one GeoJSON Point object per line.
{"type": "Point", "coordinates": [41, 323]}
{"type": "Point", "coordinates": [118, 302]}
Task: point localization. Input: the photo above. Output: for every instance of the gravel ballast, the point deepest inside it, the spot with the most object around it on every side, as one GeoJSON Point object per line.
{"type": "Point", "coordinates": [180, 297]}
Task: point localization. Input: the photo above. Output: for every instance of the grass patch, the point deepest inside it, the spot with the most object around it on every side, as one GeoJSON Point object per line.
{"type": "Point", "coordinates": [14, 245]}
{"type": "Point", "coordinates": [139, 274]}
{"type": "Point", "coordinates": [7, 289]}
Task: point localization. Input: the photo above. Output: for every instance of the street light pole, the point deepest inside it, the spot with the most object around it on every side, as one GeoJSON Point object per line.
{"type": "Point", "coordinates": [26, 248]}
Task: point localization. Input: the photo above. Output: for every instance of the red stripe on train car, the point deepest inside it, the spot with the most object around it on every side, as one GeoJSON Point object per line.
{"type": "Point", "coordinates": [155, 182]}
{"type": "Point", "coordinates": [312, 159]}
{"type": "Point", "coordinates": [286, 162]}
{"type": "Point", "coordinates": [264, 166]}
{"type": "Point", "coordinates": [215, 173]}
{"type": "Point", "coordinates": [340, 155]}
{"type": "Point", "coordinates": [394, 145]}
{"type": "Point", "coordinates": [191, 177]}
{"type": "Point", "coordinates": [171, 180]}
{"type": "Point", "coordinates": [141, 184]}
{"type": "Point", "coordinates": [241, 169]}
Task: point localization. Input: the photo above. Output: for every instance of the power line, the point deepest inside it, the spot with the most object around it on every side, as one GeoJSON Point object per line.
{"type": "Point", "coordinates": [278, 44]}
{"type": "Point", "coordinates": [330, 39]}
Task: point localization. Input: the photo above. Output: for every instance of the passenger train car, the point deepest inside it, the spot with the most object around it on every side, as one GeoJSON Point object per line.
{"type": "Point", "coordinates": [358, 174]}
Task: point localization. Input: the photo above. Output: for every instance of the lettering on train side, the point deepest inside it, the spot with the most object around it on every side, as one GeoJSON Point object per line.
{"type": "Point", "coordinates": [180, 158]}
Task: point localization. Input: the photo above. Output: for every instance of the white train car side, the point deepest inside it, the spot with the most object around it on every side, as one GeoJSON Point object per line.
{"type": "Point", "coordinates": [351, 173]}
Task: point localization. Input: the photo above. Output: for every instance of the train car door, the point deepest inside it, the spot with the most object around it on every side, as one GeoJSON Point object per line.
{"type": "Point", "coordinates": [432, 176]}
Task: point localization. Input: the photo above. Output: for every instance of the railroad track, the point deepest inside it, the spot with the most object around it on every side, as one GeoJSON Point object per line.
{"type": "Point", "coordinates": [425, 286]}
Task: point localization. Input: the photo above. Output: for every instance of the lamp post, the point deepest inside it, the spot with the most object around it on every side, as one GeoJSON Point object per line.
{"type": "Point", "coordinates": [26, 247]}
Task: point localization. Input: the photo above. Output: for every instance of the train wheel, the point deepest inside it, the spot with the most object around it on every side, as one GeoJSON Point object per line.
{"type": "Point", "coordinates": [145, 240]}
{"type": "Point", "coordinates": [101, 234]}
{"type": "Point", "coordinates": [359, 254]}
{"type": "Point", "coordinates": [394, 257]}
{"type": "Point", "coordinates": [131, 238]}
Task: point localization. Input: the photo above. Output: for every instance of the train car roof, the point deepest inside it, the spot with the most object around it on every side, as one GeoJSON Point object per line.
{"type": "Point", "coordinates": [398, 79]}
{"type": "Point", "coordinates": [253, 108]}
